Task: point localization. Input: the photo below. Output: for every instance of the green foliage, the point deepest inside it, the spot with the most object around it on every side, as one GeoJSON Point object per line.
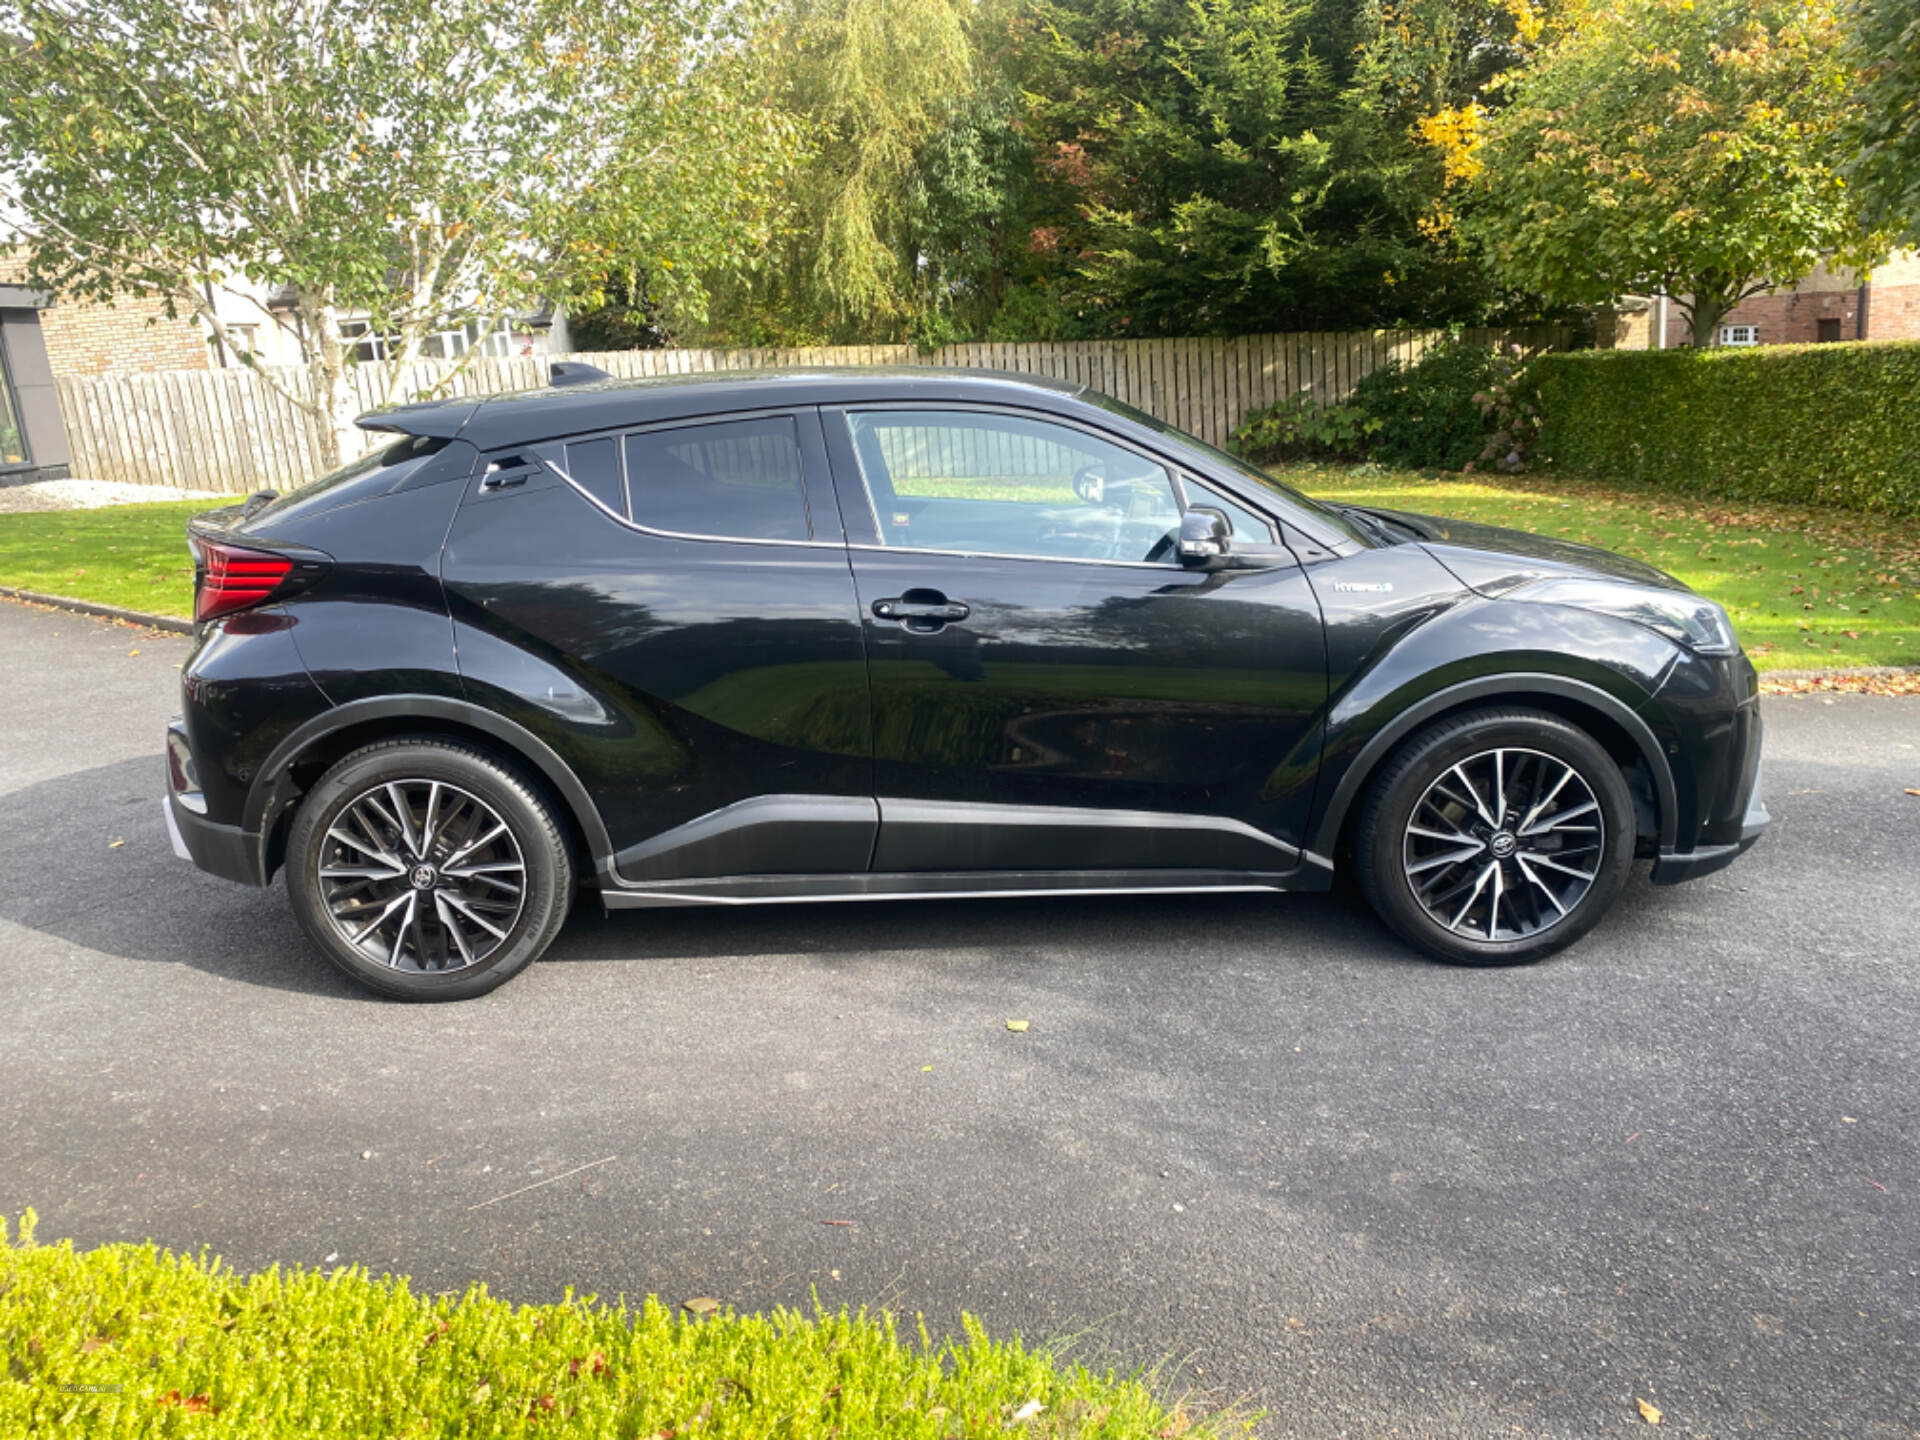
{"type": "Point", "coordinates": [1297, 429]}
{"type": "Point", "coordinates": [1884, 42]}
{"type": "Point", "coordinates": [1805, 586]}
{"type": "Point", "coordinates": [1242, 165]}
{"type": "Point", "coordinates": [904, 154]}
{"type": "Point", "coordinates": [1684, 146]}
{"type": "Point", "coordinates": [1812, 424]}
{"type": "Point", "coordinates": [420, 163]}
{"type": "Point", "coordinates": [1430, 413]}
{"type": "Point", "coordinates": [1458, 404]}
{"type": "Point", "coordinates": [132, 1340]}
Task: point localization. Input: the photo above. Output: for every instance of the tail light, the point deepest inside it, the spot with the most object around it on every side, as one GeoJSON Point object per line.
{"type": "Point", "coordinates": [233, 579]}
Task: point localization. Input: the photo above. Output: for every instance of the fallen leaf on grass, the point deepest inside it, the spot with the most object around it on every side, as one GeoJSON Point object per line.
{"type": "Point", "coordinates": [700, 1306]}
{"type": "Point", "coordinates": [1017, 1026]}
{"type": "Point", "coordinates": [1648, 1413]}
{"type": "Point", "coordinates": [192, 1404]}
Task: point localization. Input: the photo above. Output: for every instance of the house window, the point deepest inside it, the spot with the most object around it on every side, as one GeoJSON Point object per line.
{"type": "Point", "coordinates": [13, 443]}
{"type": "Point", "coordinates": [245, 339]}
{"type": "Point", "coordinates": [1739, 334]}
{"type": "Point", "coordinates": [1830, 328]}
{"type": "Point", "coordinates": [362, 342]}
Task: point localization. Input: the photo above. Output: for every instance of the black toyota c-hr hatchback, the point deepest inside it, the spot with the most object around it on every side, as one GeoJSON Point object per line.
{"type": "Point", "coordinates": [870, 634]}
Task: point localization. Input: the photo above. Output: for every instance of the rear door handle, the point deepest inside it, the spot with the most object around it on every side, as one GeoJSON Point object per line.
{"type": "Point", "coordinates": [921, 610]}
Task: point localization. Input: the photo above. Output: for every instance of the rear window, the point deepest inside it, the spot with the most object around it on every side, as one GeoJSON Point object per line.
{"type": "Point", "coordinates": [735, 479]}
{"type": "Point", "coordinates": [378, 472]}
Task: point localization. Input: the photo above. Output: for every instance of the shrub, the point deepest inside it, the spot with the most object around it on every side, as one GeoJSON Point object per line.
{"type": "Point", "coordinates": [1805, 424]}
{"type": "Point", "coordinates": [1295, 429]}
{"type": "Point", "coordinates": [1429, 413]}
{"type": "Point", "coordinates": [133, 1340]}
{"type": "Point", "coordinates": [1459, 403]}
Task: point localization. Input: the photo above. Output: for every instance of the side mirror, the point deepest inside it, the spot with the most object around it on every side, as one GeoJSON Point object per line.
{"type": "Point", "coordinates": [1203, 537]}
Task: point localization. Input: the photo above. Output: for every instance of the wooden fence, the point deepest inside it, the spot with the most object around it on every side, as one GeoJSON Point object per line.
{"type": "Point", "coordinates": [230, 430]}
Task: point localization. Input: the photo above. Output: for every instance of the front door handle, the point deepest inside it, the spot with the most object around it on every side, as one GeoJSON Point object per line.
{"type": "Point", "coordinates": [921, 611]}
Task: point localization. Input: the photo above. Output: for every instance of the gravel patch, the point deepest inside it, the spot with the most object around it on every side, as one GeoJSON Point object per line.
{"type": "Point", "coordinates": [94, 494]}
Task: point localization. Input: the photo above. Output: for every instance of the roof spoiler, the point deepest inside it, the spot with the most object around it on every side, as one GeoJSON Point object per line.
{"type": "Point", "coordinates": [437, 419]}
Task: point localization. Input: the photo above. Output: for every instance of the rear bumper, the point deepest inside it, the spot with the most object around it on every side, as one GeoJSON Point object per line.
{"type": "Point", "coordinates": [223, 850]}
{"type": "Point", "coordinates": [1673, 866]}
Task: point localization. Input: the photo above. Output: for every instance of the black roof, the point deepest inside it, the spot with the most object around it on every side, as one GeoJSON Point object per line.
{"type": "Point", "coordinates": [521, 416]}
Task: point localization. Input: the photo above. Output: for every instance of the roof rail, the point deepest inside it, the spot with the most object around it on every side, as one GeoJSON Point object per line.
{"type": "Point", "coordinates": [572, 372]}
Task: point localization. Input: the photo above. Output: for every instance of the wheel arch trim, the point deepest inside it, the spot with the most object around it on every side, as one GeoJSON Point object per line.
{"type": "Point", "coordinates": [1517, 687]}
{"type": "Point", "coordinates": [268, 794]}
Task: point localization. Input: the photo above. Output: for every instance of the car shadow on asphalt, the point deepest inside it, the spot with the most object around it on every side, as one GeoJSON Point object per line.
{"type": "Point", "coordinates": [86, 858]}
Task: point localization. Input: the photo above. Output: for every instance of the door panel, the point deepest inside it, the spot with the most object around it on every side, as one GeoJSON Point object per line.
{"type": "Point", "coordinates": [1176, 711]}
{"type": "Point", "coordinates": [677, 676]}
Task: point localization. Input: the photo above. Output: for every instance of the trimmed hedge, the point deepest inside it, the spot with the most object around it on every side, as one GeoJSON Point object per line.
{"type": "Point", "coordinates": [130, 1340]}
{"type": "Point", "coordinates": [1834, 424]}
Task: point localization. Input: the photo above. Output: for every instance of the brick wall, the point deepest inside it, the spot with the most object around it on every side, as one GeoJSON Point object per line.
{"type": "Point", "coordinates": [1893, 312]}
{"type": "Point", "coordinates": [131, 334]}
{"type": "Point", "coordinates": [1788, 319]}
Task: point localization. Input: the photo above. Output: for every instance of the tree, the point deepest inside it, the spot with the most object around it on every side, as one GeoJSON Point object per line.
{"type": "Point", "coordinates": [1686, 147]}
{"type": "Point", "coordinates": [1232, 165]}
{"type": "Point", "coordinates": [870, 84]}
{"type": "Point", "coordinates": [419, 163]}
{"type": "Point", "coordinates": [1884, 42]}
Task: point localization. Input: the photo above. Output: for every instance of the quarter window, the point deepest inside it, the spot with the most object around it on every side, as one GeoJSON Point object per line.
{"type": "Point", "coordinates": [737, 479]}
{"type": "Point", "coordinates": [991, 484]}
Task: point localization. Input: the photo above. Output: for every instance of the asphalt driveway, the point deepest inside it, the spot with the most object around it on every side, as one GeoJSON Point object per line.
{"type": "Point", "coordinates": [1246, 1139]}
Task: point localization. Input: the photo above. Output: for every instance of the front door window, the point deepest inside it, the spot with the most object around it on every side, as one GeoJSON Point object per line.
{"type": "Point", "coordinates": [989, 484]}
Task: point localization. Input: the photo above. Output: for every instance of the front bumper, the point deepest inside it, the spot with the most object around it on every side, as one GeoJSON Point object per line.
{"type": "Point", "coordinates": [1674, 866]}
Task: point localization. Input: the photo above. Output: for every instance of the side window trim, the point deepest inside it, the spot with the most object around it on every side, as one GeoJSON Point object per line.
{"type": "Point", "coordinates": [865, 518]}
{"type": "Point", "coordinates": [812, 460]}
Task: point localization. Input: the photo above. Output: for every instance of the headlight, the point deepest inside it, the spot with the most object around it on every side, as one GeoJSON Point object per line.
{"type": "Point", "coordinates": [1689, 620]}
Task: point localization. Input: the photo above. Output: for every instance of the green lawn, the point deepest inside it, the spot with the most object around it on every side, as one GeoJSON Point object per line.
{"type": "Point", "coordinates": [130, 1340]}
{"type": "Point", "coordinates": [131, 555]}
{"type": "Point", "coordinates": [1807, 589]}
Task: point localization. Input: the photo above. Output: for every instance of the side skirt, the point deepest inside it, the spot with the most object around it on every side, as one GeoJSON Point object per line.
{"type": "Point", "coordinates": [964, 884]}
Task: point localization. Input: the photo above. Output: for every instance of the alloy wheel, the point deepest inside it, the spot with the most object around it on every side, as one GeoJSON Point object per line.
{"type": "Point", "coordinates": [1504, 844]}
{"type": "Point", "coordinates": [421, 875]}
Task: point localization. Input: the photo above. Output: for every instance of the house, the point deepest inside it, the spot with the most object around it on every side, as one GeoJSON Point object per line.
{"type": "Point", "coordinates": [1829, 304]}
{"type": "Point", "coordinates": [260, 319]}
{"type": "Point", "coordinates": [33, 438]}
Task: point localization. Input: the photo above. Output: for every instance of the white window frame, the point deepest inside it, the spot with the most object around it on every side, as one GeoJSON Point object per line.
{"type": "Point", "coordinates": [1739, 334]}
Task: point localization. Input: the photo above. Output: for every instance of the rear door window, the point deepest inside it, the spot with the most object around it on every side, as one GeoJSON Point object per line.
{"type": "Point", "coordinates": [594, 465]}
{"type": "Point", "coordinates": [734, 479]}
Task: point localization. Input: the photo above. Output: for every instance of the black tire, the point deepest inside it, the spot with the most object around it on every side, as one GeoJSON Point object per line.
{"type": "Point", "coordinates": [1530, 901]}
{"type": "Point", "coordinates": [443, 937]}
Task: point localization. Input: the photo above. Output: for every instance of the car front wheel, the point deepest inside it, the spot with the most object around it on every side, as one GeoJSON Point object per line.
{"type": "Point", "coordinates": [427, 870]}
{"type": "Point", "coordinates": [1496, 837]}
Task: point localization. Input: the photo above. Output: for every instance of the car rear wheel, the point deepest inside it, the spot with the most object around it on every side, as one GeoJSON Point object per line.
{"type": "Point", "coordinates": [427, 870]}
{"type": "Point", "coordinates": [1496, 837]}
